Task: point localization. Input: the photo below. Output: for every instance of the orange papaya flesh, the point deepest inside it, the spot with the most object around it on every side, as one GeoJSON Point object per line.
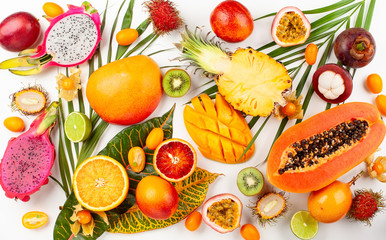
{"type": "Point", "coordinates": [337, 151]}
{"type": "Point", "coordinates": [219, 130]}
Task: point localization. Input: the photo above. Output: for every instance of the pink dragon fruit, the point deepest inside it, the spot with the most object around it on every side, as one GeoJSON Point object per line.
{"type": "Point", "coordinates": [70, 40]}
{"type": "Point", "coordinates": [28, 159]}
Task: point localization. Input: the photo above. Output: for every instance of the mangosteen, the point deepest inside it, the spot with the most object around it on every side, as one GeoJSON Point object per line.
{"type": "Point", "coordinates": [332, 83]}
{"type": "Point", "coordinates": [355, 47]}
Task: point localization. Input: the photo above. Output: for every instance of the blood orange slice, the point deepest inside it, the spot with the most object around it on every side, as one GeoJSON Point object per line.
{"type": "Point", "coordinates": [175, 159]}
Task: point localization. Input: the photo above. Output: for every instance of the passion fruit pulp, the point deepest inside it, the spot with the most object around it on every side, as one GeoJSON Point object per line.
{"type": "Point", "coordinates": [222, 212]}
{"type": "Point", "coordinates": [290, 27]}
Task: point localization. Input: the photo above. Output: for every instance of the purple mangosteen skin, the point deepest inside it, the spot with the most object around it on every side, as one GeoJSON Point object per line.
{"type": "Point", "coordinates": [339, 70]}
{"type": "Point", "coordinates": [344, 43]}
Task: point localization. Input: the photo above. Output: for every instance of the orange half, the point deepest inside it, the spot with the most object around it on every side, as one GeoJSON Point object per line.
{"type": "Point", "coordinates": [175, 159]}
{"type": "Point", "coordinates": [100, 183]}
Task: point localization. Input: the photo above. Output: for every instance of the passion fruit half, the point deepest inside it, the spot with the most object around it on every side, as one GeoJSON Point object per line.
{"type": "Point", "coordinates": [290, 27]}
{"type": "Point", "coordinates": [222, 212]}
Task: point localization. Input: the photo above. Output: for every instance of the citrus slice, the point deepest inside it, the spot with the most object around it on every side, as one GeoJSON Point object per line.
{"type": "Point", "coordinates": [34, 219]}
{"type": "Point", "coordinates": [100, 183]}
{"type": "Point", "coordinates": [303, 225]}
{"type": "Point", "coordinates": [77, 127]}
{"type": "Point", "coordinates": [175, 159]}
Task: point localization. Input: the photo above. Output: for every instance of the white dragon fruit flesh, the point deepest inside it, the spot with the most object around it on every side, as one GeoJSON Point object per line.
{"type": "Point", "coordinates": [70, 40]}
{"type": "Point", "coordinates": [28, 159]}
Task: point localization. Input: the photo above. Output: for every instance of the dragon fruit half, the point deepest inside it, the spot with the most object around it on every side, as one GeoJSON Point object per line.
{"type": "Point", "coordinates": [70, 40]}
{"type": "Point", "coordinates": [28, 159]}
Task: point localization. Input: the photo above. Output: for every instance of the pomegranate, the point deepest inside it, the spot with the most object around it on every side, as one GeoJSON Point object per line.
{"type": "Point", "coordinates": [19, 31]}
{"type": "Point", "coordinates": [222, 212]}
{"type": "Point", "coordinates": [231, 21]}
{"type": "Point", "coordinates": [332, 83]}
{"type": "Point", "coordinates": [290, 27]}
{"type": "Point", "coordinates": [355, 47]}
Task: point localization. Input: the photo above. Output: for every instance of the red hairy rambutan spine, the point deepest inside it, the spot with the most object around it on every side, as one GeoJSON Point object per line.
{"type": "Point", "coordinates": [163, 15]}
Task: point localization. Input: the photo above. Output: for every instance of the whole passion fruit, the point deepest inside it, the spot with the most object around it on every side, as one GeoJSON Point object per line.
{"type": "Point", "coordinates": [290, 27]}
{"type": "Point", "coordinates": [355, 47]}
{"type": "Point", "coordinates": [222, 212]}
{"type": "Point", "coordinates": [332, 83]}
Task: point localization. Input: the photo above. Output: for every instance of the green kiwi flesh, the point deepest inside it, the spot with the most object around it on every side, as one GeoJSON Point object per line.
{"type": "Point", "coordinates": [250, 181]}
{"type": "Point", "coordinates": [176, 82]}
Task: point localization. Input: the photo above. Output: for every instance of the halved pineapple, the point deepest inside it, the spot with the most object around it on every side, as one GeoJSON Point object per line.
{"type": "Point", "coordinates": [250, 81]}
{"type": "Point", "coordinates": [254, 82]}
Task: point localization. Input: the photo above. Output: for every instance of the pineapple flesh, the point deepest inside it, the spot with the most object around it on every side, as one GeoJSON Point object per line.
{"type": "Point", "coordinates": [254, 82]}
{"type": "Point", "coordinates": [251, 81]}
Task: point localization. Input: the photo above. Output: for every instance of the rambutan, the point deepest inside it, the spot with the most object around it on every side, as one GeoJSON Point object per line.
{"type": "Point", "coordinates": [163, 15]}
{"type": "Point", "coordinates": [365, 205]}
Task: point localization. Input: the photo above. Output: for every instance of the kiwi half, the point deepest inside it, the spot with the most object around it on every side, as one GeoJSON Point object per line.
{"type": "Point", "coordinates": [250, 181]}
{"type": "Point", "coordinates": [176, 82]}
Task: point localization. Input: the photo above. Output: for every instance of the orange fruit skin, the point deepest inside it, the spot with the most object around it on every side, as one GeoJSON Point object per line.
{"type": "Point", "coordinates": [380, 101]}
{"type": "Point", "coordinates": [126, 36]}
{"type": "Point", "coordinates": [193, 221]}
{"type": "Point", "coordinates": [330, 203]}
{"type": "Point", "coordinates": [126, 91]}
{"type": "Point", "coordinates": [289, 109]}
{"type": "Point", "coordinates": [155, 137]}
{"type": "Point", "coordinates": [374, 83]}
{"type": "Point", "coordinates": [84, 216]}
{"type": "Point", "coordinates": [311, 53]}
{"type": "Point", "coordinates": [156, 197]}
{"type": "Point", "coordinates": [249, 232]}
{"type": "Point", "coordinates": [14, 124]}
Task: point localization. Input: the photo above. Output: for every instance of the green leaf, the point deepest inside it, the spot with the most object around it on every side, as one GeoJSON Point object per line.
{"type": "Point", "coordinates": [333, 15]}
{"type": "Point", "coordinates": [191, 193]}
{"type": "Point", "coordinates": [369, 15]}
{"type": "Point", "coordinates": [329, 8]}
{"type": "Point", "coordinates": [118, 148]}
{"type": "Point", "coordinates": [128, 17]}
{"type": "Point", "coordinates": [62, 229]}
{"type": "Point", "coordinates": [317, 10]}
{"type": "Point", "coordinates": [109, 54]}
{"type": "Point", "coordinates": [358, 22]}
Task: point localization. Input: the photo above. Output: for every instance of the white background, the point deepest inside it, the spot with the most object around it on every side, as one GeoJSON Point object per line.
{"type": "Point", "coordinates": [195, 13]}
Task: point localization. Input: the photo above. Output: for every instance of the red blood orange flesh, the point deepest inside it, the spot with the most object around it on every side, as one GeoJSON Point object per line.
{"type": "Point", "coordinates": [175, 159]}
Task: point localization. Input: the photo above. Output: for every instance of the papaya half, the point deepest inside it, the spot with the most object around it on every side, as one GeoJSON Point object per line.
{"type": "Point", "coordinates": [317, 151]}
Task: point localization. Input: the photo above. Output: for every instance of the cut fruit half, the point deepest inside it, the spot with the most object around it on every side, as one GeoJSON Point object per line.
{"type": "Point", "coordinates": [175, 159]}
{"type": "Point", "coordinates": [100, 183]}
{"type": "Point", "coordinates": [250, 181]}
{"type": "Point", "coordinates": [290, 27]}
{"type": "Point", "coordinates": [34, 219]}
{"type": "Point", "coordinates": [176, 82]}
{"type": "Point", "coordinates": [77, 127]}
{"type": "Point", "coordinates": [303, 225]}
{"type": "Point", "coordinates": [250, 81]}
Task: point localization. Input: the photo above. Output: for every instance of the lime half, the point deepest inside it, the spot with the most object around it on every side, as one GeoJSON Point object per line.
{"type": "Point", "coordinates": [77, 127]}
{"type": "Point", "coordinates": [303, 225]}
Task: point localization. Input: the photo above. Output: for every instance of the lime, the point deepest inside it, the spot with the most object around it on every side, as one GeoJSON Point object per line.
{"type": "Point", "coordinates": [303, 225]}
{"type": "Point", "coordinates": [77, 127]}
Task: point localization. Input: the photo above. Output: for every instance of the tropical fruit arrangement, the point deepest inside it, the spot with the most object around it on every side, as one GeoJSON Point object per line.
{"type": "Point", "coordinates": [146, 178]}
